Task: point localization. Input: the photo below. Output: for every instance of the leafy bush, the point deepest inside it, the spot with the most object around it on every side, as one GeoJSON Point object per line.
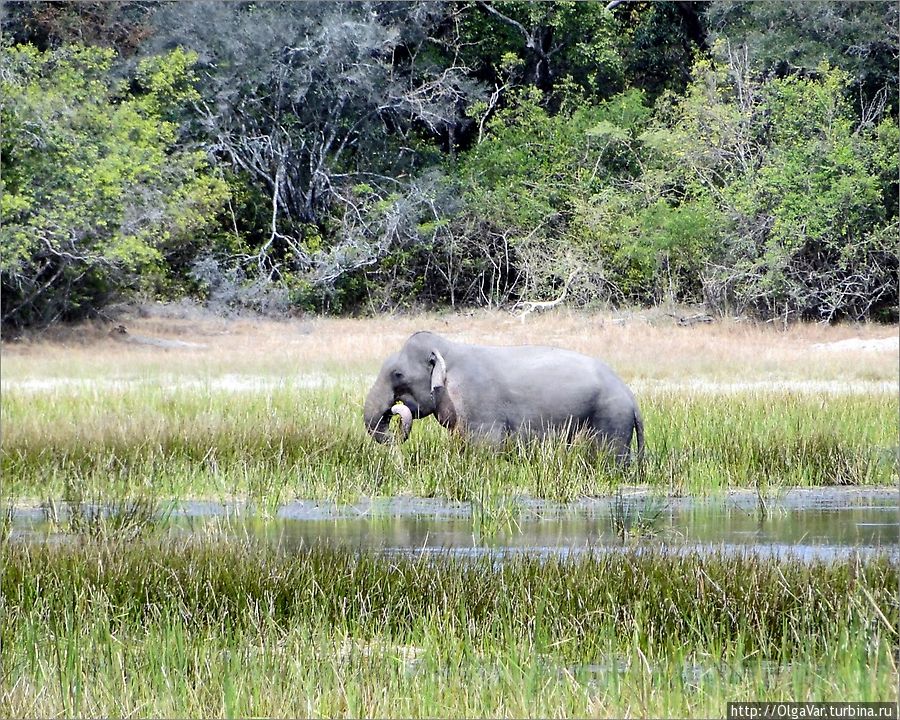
{"type": "Point", "coordinates": [569, 196]}
{"type": "Point", "coordinates": [97, 202]}
{"type": "Point", "coordinates": [804, 186]}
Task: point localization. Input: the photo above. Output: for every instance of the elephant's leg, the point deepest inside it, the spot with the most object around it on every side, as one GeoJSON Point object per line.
{"type": "Point", "coordinates": [577, 428]}
{"type": "Point", "coordinates": [621, 450]}
{"type": "Point", "coordinates": [613, 438]}
{"type": "Point", "coordinates": [610, 449]}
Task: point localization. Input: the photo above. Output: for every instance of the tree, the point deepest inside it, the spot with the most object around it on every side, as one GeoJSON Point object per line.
{"type": "Point", "coordinates": [97, 203]}
{"type": "Point", "coordinates": [556, 42]}
{"type": "Point", "coordinates": [122, 25]}
{"type": "Point", "coordinates": [565, 198]}
{"type": "Point", "coordinates": [785, 37]}
{"type": "Point", "coordinates": [307, 100]}
{"type": "Point", "coordinates": [660, 41]}
{"type": "Point", "coordinates": [806, 189]}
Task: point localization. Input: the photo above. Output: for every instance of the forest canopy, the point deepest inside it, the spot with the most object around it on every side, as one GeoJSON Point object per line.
{"type": "Point", "coordinates": [366, 156]}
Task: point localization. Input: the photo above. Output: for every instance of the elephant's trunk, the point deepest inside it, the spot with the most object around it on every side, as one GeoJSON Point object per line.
{"type": "Point", "coordinates": [377, 423]}
{"type": "Point", "coordinates": [378, 411]}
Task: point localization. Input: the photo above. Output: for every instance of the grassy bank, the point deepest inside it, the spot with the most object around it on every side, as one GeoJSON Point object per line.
{"type": "Point", "coordinates": [273, 410]}
{"type": "Point", "coordinates": [217, 628]}
{"type": "Point", "coordinates": [282, 443]}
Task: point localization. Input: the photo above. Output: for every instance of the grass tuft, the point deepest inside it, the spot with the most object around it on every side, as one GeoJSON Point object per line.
{"type": "Point", "coordinates": [305, 443]}
{"type": "Point", "coordinates": [217, 628]}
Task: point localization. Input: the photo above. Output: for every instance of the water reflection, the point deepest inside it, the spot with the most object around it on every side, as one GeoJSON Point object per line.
{"type": "Point", "coordinates": [810, 524]}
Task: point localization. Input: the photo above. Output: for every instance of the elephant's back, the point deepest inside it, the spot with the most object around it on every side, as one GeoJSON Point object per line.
{"type": "Point", "coordinates": [539, 363]}
{"type": "Point", "coordinates": [530, 389]}
{"type": "Point", "coordinates": [545, 380]}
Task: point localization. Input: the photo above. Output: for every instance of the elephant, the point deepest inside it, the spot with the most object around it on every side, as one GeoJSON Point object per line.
{"type": "Point", "coordinates": [494, 392]}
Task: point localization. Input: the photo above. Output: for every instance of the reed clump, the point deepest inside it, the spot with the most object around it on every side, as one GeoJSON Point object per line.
{"type": "Point", "coordinates": [660, 598]}
{"type": "Point", "coordinates": [311, 443]}
{"type": "Point", "coordinates": [162, 628]}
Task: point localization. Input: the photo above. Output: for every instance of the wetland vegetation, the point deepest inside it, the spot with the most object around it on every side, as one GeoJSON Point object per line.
{"type": "Point", "coordinates": [108, 616]}
{"type": "Point", "coordinates": [290, 442]}
{"type": "Point", "coordinates": [212, 627]}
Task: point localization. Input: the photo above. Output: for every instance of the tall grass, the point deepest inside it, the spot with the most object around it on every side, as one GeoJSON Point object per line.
{"type": "Point", "coordinates": [167, 670]}
{"type": "Point", "coordinates": [310, 443]}
{"type": "Point", "coordinates": [658, 598]}
{"type": "Point", "coordinates": [209, 627]}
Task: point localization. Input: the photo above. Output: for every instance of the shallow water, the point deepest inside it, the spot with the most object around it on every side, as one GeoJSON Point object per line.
{"type": "Point", "coordinates": [808, 524]}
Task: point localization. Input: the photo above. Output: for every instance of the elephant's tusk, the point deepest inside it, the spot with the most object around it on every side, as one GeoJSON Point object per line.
{"type": "Point", "coordinates": [405, 420]}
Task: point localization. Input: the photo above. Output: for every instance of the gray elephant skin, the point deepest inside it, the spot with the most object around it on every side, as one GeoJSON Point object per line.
{"type": "Point", "coordinates": [496, 392]}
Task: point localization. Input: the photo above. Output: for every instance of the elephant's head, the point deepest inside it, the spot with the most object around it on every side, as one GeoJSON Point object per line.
{"type": "Point", "coordinates": [412, 377]}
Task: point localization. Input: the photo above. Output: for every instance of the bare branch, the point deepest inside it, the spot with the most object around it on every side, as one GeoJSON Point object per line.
{"type": "Point", "coordinates": [529, 306]}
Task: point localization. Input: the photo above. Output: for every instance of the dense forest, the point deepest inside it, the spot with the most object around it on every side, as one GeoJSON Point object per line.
{"type": "Point", "coordinates": [365, 156]}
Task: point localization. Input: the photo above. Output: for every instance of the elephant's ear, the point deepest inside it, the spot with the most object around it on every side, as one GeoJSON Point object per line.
{"type": "Point", "coordinates": [444, 407]}
{"type": "Point", "coordinates": [439, 371]}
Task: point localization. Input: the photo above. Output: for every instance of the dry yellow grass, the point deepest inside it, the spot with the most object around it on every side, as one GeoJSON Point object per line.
{"type": "Point", "coordinates": [640, 346]}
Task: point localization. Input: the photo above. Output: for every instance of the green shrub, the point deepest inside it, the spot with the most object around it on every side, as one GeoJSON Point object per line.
{"type": "Point", "coordinates": [97, 201]}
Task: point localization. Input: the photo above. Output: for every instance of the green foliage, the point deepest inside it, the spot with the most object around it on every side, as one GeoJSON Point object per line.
{"type": "Point", "coordinates": [742, 154]}
{"type": "Point", "coordinates": [521, 174]}
{"type": "Point", "coordinates": [796, 37]}
{"type": "Point", "coordinates": [659, 42]}
{"type": "Point", "coordinates": [543, 45]}
{"type": "Point", "coordinates": [569, 194]}
{"type": "Point", "coordinates": [167, 83]}
{"type": "Point", "coordinates": [655, 250]}
{"type": "Point", "coordinates": [96, 198]}
{"type": "Point", "coordinates": [805, 186]}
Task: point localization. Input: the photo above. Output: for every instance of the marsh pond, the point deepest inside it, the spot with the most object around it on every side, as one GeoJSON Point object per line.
{"type": "Point", "coordinates": [814, 523]}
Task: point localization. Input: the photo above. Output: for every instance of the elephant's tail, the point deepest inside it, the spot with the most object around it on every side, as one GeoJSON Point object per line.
{"type": "Point", "coordinates": [639, 433]}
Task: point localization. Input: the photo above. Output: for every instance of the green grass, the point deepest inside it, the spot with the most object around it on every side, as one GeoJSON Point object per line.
{"type": "Point", "coordinates": [288, 443]}
{"type": "Point", "coordinates": [114, 619]}
{"type": "Point", "coordinates": [208, 627]}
